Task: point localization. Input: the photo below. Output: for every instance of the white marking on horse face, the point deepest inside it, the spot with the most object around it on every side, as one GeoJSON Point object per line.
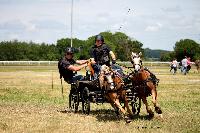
{"type": "Point", "coordinates": [105, 69]}
{"type": "Point", "coordinates": [109, 78]}
{"type": "Point", "coordinates": [137, 67]}
{"type": "Point", "coordinates": [136, 60]}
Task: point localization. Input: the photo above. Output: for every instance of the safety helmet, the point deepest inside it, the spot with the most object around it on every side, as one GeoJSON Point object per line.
{"type": "Point", "coordinates": [69, 50]}
{"type": "Point", "coordinates": [99, 37]}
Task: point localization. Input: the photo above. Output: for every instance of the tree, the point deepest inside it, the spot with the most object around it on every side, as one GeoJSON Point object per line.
{"type": "Point", "coordinates": [78, 45]}
{"type": "Point", "coordinates": [187, 47]}
{"type": "Point", "coordinates": [167, 56]}
{"type": "Point", "coordinates": [119, 42]}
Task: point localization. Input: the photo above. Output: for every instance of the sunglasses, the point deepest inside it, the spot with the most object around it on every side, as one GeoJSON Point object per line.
{"type": "Point", "coordinates": [69, 53]}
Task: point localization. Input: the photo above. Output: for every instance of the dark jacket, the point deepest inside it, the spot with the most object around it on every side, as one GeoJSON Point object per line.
{"type": "Point", "coordinates": [101, 54]}
{"type": "Point", "coordinates": [66, 73]}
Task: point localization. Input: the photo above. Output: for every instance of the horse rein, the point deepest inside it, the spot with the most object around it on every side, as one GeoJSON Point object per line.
{"type": "Point", "coordinates": [126, 68]}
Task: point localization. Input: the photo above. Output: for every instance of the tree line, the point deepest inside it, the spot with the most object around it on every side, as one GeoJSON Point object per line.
{"type": "Point", "coordinates": [182, 48]}
{"type": "Point", "coordinates": [119, 42]}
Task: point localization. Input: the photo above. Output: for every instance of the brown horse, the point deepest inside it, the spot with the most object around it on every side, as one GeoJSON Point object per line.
{"type": "Point", "coordinates": [144, 85]}
{"type": "Point", "coordinates": [117, 94]}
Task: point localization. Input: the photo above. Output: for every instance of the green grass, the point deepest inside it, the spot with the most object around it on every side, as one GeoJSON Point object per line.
{"type": "Point", "coordinates": [28, 103]}
{"type": "Point", "coordinates": [26, 68]}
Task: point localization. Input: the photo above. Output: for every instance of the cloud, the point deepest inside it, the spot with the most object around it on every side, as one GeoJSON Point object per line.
{"type": "Point", "coordinates": [18, 25]}
{"type": "Point", "coordinates": [30, 27]}
{"type": "Point", "coordinates": [13, 36]}
{"type": "Point", "coordinates": [172, 9]}
{"type": "Point", "coordinates": [154, 28]}
{"type": "Point", "coordinates": [149, 23]}
{"type": "Point", "coordinates": [12, 25]}
{"type": "Point", "coordinates": [49, 24]}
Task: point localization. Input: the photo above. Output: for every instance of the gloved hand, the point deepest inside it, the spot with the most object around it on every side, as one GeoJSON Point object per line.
{"type": "Point", "coordinates": [113, 61]}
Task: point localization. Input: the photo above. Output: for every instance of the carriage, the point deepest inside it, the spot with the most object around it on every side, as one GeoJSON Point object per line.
{"type": "Point", "coordinates": [88, 91]}
{"type": "Point", "coordinates": [137, 86]}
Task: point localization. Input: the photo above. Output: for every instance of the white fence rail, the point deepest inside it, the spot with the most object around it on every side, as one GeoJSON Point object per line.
{"type": "Point", "coordinates": [55, 63]}
{"type": "Point", "coordinates": [28, 62]}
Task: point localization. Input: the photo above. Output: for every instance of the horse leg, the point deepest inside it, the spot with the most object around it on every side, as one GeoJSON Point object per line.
{"type": "Point", "coordinates": [101, 80]}
{"type": "Point", "coordinates": [115, 100]}
{"type": "Point", "coordinates": [126, 104]}
{"type": "Point", "coordinates": [127, 107]}
{"type": "Point", "coordinates": [154, 100]}
{"type": "Point", "coordinates": [115, 108]}
{"type": "Point", "coordinates": [126, 117]}
{"type": "Point", "coordinates": [151, 114]}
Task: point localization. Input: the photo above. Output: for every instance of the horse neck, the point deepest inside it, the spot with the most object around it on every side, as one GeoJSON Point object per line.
{"type": "Point", "coordinates": [141, 75]}
{"type": "Point", "coordinates": [118, 81]}
{"type": "Point", "coordinates": [145, 74]}
{"type": "Point", "coordinates": [117, 78]}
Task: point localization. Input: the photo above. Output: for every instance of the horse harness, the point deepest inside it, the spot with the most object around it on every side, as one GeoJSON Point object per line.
{"type": "Point", "coordinates": [143, 84]}
{"type": "Point", "coordinates": [117, 90]}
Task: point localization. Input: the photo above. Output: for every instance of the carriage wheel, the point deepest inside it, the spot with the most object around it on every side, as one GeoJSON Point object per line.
{"type": "Point", "coordinates": [74, 100]}
{"type": "Point", "coordinates": [85, 101]}
{"type": "Point", "coordinates": [136, 105]}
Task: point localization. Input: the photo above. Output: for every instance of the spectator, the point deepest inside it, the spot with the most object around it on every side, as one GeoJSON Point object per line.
{"type": "Point", "coordinates": [174, 65]}
{"type": "Point", "coordinates": [184, 63]}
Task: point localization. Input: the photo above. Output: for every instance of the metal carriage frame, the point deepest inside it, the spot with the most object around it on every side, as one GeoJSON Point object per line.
{"type": "Point", "coordinates": [88, 91]}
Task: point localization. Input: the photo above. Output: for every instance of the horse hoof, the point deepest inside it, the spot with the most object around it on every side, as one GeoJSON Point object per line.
{"type": "Point", "coordinates": [128, 120]}
{"type": "Point", "coordinates": [151, 115]}
{"type": "Point", "coordinates": [158, 110]}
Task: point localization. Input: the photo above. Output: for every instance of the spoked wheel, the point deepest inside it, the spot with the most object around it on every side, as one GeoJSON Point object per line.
{"type": "Point", "coordinates": [136, 105]}
{"type": "Point", "coordinates": [74, 99]}
{"type": "Point", "coordinates": [85, 101]}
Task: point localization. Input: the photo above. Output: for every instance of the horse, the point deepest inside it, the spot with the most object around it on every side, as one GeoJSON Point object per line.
{"type": "Point", "coordinates": [117, 94]}
{"type": "Point", "coordinates": [143, 84]}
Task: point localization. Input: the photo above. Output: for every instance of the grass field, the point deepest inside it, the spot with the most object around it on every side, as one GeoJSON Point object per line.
{"type": "Point", "coordinates": [30, 103]}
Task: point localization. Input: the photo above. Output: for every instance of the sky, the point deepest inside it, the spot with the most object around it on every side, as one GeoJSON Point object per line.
{"type": "Point", "coordinates": [157, 24]}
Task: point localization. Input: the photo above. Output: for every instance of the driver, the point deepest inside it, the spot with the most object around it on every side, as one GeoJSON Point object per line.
{"type": "Point", "coordinates": [68, 68]}
{"type": "Point", "coordinates": [101, 55]}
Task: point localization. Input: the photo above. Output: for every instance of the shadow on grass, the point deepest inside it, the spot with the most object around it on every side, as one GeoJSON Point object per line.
{"type": "Point", "coordinates": [101, 115]}
{"type": "Point", "coordinates": [142, 117]}
{"type": "Point", "coordinates": [106, 115]}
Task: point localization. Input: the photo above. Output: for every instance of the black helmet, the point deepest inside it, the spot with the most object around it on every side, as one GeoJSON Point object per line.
{"type": "Point", "coordinates": [69, 50]}
{"type": "Point", "coordinates": [99, 37]}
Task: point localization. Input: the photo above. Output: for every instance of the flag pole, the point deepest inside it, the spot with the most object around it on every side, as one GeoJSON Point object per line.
{"type": "Point", "coordinates": [71, 23]}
